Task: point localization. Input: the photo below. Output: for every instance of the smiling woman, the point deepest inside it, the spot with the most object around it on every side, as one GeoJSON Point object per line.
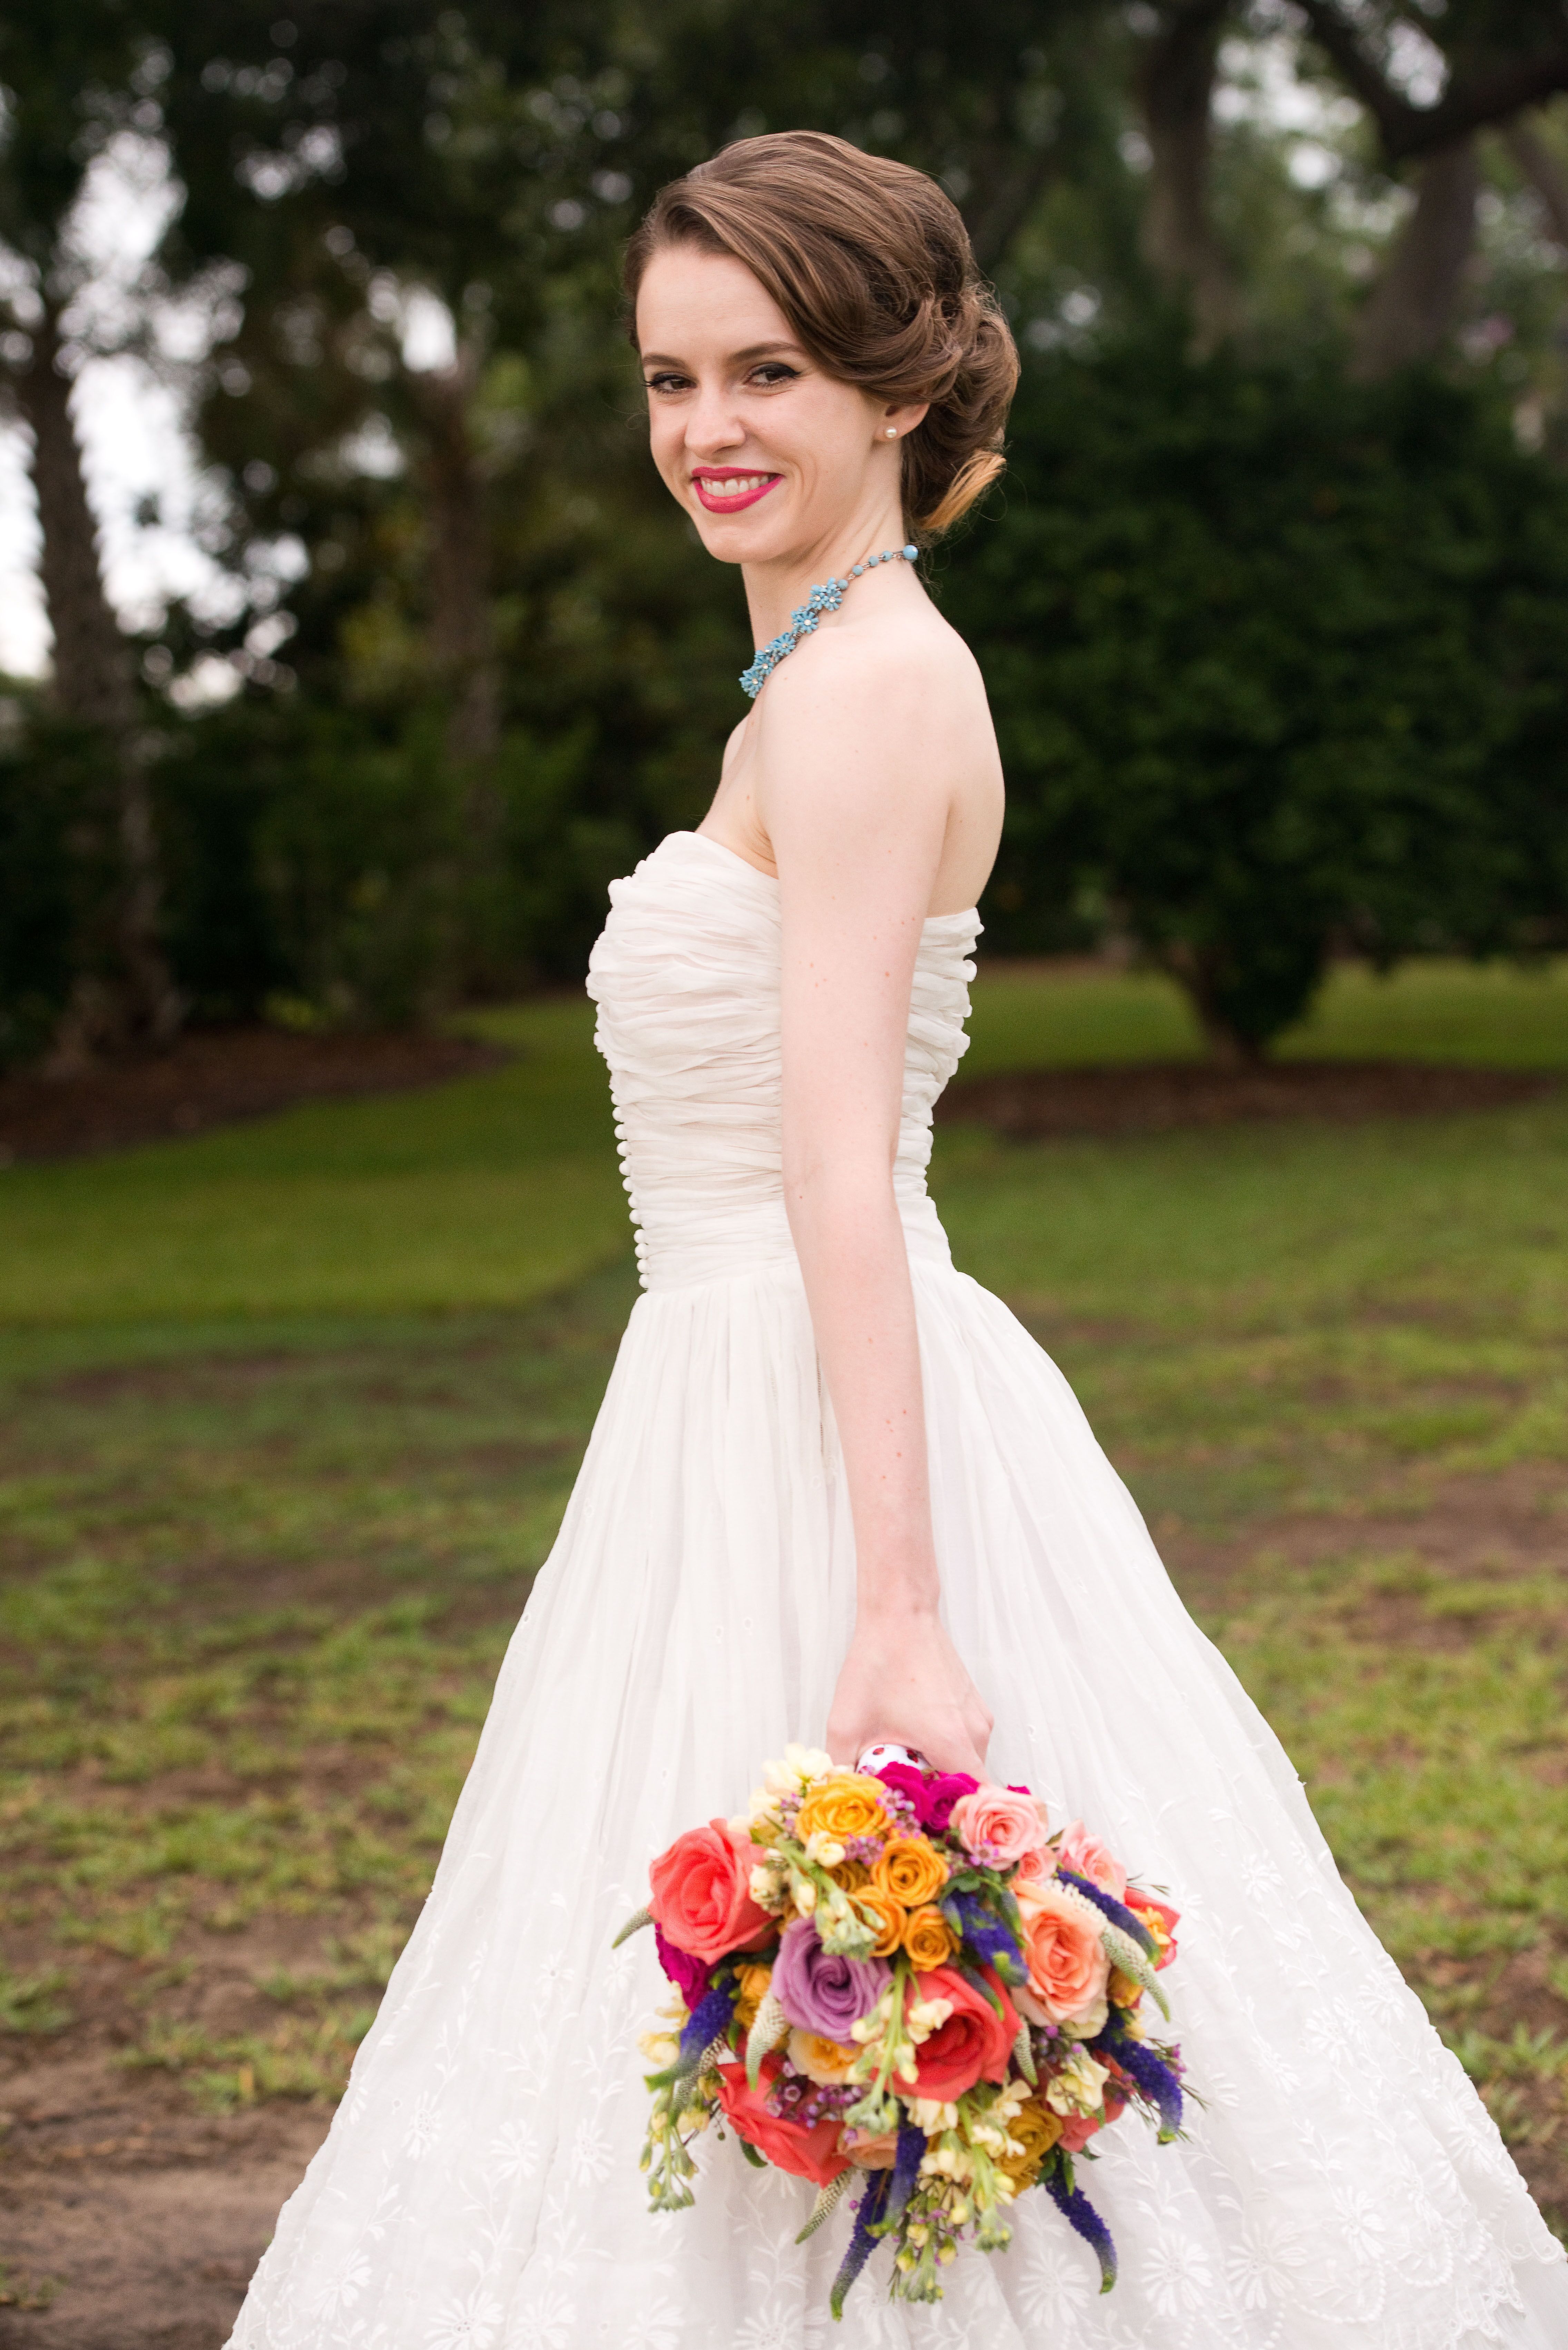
{"type": "Point", "coordinates": [831, 1480]}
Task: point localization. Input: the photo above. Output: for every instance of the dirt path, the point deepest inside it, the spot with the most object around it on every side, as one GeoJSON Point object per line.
{"type": "Point", "coordinates": [130, 2223]}
{"type": "Point", "coordinates": [212, 1077]}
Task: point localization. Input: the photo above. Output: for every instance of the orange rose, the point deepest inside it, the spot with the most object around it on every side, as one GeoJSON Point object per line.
{"type": "Point", "coordinates": [700, 1893]}
{"type": "Point", "coordinates": [929, 1939]}
{"type": "Point", "coordinates": [850, 1874]}
{"type": "Point", "coordinates": [869, 2153]}
{"type": "Point", "coordinates": [880, 1910]}
{"type": "Point", "coordinates": [1066, 1968]}
{"type": "Point", "coordinates": [842, 1808]}
{"type": "Point", "coordinates": [753, 1985]}
{"type": "Point", "coordinates": [910, 1869]}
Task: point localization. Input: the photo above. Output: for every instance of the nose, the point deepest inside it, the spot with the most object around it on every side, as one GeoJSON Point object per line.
{"type": "Point", "coordinates": [711, 424]}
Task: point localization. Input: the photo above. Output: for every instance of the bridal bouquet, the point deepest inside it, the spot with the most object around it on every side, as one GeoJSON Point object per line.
{"type": "Point", "coordinates": [903, 1980]}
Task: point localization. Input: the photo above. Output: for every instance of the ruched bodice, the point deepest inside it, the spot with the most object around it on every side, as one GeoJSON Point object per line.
{"type": "Point", "coordinates": [686, 978]}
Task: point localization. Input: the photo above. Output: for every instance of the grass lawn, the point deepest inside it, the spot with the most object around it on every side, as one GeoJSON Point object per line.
{"type": "Point", "coordinates": [288, 1413]}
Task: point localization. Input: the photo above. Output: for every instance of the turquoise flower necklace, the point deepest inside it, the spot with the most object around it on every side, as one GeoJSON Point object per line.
{"type": "Point", "coordinates": [801, 623]}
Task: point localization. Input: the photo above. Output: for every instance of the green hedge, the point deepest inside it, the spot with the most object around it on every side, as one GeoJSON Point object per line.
{"type": "Point", "coordinates": [1278, 663]}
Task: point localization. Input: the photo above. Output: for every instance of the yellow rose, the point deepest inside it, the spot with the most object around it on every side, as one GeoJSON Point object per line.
{"type": "Point", "coordinates": [911, 1870]}
{"type": "Point", "coordinates": [1121, 1990]}
{"type": "Point", "coordinates": [850, 1874]}
{"type": "Point", "coordinates": [1036, 2130]}
{"type": "Point", "coordinates": [929, 1939]}
{"type": "Point", "coordinates": [844, 1808]}
{"type": "Point", "coordinates": [887, 1914]}
{"type": "Point", "coordinates": [822, 2061]}
{"type": "Point", "coordinates": [753, 1986]}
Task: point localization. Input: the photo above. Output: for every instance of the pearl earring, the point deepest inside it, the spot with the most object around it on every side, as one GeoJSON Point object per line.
{"type": "Point", "coordinates": [892, 431]}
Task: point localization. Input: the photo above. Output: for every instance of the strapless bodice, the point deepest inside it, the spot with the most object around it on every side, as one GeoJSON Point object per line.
{"type": "Point", "coordinates": [686, 979]}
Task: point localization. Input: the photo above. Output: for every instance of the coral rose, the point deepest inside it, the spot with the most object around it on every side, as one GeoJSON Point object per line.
{"type": "Point", "coordinates": [810, 2153]}
{"type": "Point", "coordinates": [1079, 2128]}
{"type": "Point", "coordinates": [1066, 1968]}
{"type": "Point", "coordinates": [887, 1914]}
{"type": "Point", "coordinates": [1161, 1921]}
{"type": "Point", "coordinates": [974, 2043]}
{"type": "Point", "coordinates": [911, 1870]}
{"type": "Point", "coordinates": [927, 1938]}
{"type": "Point", "coordinates": [844, 1806]}
{"type": "Point", "coordinates": [1085, 1855]}
{"type": "Point", "coordinates": [999, 1825]}
{"type": "Point", "coordinates": [1037, 2129]}
{"type": "Point", "coordinates": [700, 1893]}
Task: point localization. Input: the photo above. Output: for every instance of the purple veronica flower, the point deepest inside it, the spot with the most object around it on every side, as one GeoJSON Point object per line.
{"type": "Point", "coordinates": [689, 1975]}
{"type": "Point", "coordinates": [820, 1992]}
{"type": "Point", "coordinates": [933, 1795]}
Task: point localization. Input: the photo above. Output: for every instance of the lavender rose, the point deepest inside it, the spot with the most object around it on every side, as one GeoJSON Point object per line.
{"type": "Point", "coordinates": [820, 1992]}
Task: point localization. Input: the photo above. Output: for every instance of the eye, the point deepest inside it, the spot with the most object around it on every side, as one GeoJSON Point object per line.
{"type": "Point", "coordinates": [774, 372]}
{"type": "Point", "coordinates": [663, 385]}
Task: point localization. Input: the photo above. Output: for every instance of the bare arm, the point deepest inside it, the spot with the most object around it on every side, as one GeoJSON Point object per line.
{"type": "Point", "coordinates": [853, 788]}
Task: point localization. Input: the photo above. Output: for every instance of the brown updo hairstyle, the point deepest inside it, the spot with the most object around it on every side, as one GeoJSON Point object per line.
{"type": "Point", "coordinates": [871, 264]}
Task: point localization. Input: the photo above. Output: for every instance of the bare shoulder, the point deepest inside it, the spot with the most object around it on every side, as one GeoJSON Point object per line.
{"type": "Point", "coordinates": [904, 677]}
{"type": "Point", "coordinates": [878, 753]}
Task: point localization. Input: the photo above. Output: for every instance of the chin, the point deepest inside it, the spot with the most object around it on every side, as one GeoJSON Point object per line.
{"type": "Point", "coordinates": [737, 539]}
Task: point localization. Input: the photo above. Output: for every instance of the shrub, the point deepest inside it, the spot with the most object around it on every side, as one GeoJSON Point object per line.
{"type": "Point", "coordinates": [1278, 663]}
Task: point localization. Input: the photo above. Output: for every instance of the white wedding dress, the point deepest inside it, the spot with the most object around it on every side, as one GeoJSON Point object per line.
{"type": "Point", "coordinates": [1341, 2187]}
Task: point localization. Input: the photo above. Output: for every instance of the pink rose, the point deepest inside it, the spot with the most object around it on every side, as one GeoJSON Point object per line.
{"type": "Point", "coordinates": [999, 1825]}
{"type": "Point", "coordinates": [1085, 1855]}
{"type": "Point", "coordinates": [700, 1893]}
{"type": "Point", "coordinates": [932, 1793]}
{"type": "Point", "coordinates": [1068, 1969]}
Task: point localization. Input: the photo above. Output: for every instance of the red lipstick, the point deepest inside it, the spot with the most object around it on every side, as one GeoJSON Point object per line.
{"type": "Point", "coordinates": [712, 485]}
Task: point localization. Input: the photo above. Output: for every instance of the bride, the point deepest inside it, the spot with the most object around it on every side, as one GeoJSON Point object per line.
{"type": "Point", "coordinates": [836, 1491]}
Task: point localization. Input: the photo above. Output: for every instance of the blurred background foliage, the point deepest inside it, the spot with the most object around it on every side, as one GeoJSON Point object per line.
{"type": "Point", "coordinates": [1273, 602]}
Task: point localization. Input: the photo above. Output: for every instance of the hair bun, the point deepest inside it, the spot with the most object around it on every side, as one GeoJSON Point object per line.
{"type": "Point", "coordinates": [871, 264]}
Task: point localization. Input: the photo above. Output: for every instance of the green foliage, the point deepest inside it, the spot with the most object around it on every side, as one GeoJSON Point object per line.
{"type": "Point", "coordinates": [1275, 660]}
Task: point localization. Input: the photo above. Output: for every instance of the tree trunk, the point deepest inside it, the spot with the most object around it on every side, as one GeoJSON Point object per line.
{"type": "Point", "coordinates": [1410, 312]}
{"type": "Point", "coordinates": [124, 992]}
{"type": "Point", "coordinates": [460, 634]}
{"type": "Point", "coordinates": [1175, 84]}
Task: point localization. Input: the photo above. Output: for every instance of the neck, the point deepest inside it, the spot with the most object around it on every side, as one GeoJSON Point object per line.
{"type": "Point", "coordinates": [776, 589]}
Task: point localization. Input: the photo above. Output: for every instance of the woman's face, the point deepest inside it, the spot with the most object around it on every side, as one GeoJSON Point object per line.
{"type": "Point", "coordinates": [769, 456]}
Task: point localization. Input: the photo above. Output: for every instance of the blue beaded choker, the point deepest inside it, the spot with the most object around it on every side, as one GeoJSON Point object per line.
{"type": "Point", "coordinates": [801, 623]}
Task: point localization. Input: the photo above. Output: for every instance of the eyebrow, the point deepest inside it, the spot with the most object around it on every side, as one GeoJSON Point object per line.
{"type": "Point", "coordinates": [753, 351]}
